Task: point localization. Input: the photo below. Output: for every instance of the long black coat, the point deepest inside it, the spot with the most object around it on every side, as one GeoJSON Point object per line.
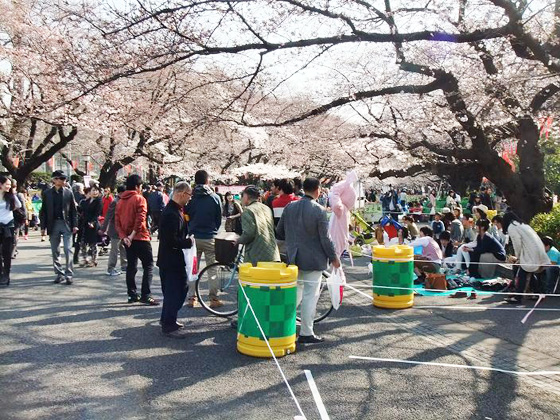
{"type": "Point", "coordinates": [91, 212]}
{"type": "Point", "coordinates": [173, 231]}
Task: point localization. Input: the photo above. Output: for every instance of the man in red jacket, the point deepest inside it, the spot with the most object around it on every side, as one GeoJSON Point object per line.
{"type": "Point", "coordinates": [130, 222]}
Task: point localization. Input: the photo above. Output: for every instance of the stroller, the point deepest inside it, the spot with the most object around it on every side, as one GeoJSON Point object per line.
{"type": "Point", "coordinates": [363, 233]}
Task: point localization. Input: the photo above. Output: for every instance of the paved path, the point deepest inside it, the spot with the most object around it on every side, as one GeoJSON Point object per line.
{"type": "Point", "coordinates": [80, 352]}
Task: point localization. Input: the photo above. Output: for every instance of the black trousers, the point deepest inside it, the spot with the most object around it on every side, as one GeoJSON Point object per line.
{"type": "Point", "coordinates": [139, 250]}
{"type": "Point", "coordinates": [156, 216]}
{"type": "Point", "coordinates": [174, 287]}
{"type": "Point", "coordinates": [6, 245]}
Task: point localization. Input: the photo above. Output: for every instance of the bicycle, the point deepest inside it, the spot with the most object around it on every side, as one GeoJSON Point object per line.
{"type": "Point", "coordinates": [227, 282]}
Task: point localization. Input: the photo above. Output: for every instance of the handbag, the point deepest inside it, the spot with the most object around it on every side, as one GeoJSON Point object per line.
{"type": "Point", "coordinates": [19, 216]}
{"type": "Point", "coordinates": [336, 283]}
{"type": "Point", "coordinates": [191, 263]}
{"type": "Point", "coordinates": [435, 281]}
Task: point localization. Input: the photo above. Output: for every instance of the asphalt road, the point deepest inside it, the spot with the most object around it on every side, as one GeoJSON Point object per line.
{"type": "Point", "coordinates": [81, 352]}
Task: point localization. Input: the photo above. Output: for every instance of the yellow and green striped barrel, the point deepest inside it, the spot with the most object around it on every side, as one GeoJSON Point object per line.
{"type": "Point", "coordinates": [393, 267]}
{"type": "Point", "coordinates": [272, 290]}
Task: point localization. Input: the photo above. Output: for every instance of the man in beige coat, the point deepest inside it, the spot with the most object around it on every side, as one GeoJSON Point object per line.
{"type": "Point", "coordinates": [258, 229]}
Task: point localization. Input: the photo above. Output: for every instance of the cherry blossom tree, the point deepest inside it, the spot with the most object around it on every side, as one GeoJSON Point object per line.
{"type": "Point", "coordinates": [483, 73]}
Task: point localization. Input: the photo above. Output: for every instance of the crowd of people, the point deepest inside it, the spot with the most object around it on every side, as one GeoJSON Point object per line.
{"type": "Point", "coordinates": [89, 221]}
{"type": "Point", "coordinates": [288, 222]}
{"type": "Point", "coordinates": [472, 246]}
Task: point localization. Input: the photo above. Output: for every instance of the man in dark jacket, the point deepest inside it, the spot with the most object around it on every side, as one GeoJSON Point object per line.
{"type": "Point", "coordinates": [156, 205]}
{"type": "Point", "coordinates": [205, 217]}
{"type": "Point", "coordinates": [59, 218]}
{"type": "Point", "coordinates": [304, 227]}
{"type": "Point", "coordinates": [488, 251]}
{"type": "Point", "coordinates": [171, 261]}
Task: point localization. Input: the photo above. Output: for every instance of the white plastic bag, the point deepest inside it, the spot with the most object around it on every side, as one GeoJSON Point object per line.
{"type": "Point", "coordinates": [336, 283]}
{"type": "Point", "coordinates": [191, 263]}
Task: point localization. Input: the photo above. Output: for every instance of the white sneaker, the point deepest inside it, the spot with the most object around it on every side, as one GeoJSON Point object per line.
{"type": "Point", "coordinates": [113, 273]}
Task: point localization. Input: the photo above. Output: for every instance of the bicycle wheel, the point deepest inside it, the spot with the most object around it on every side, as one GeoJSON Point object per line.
{"type": "Point", "coordinates": [223, 278]}
{"type": "Point", "coordinates": [324, 304]}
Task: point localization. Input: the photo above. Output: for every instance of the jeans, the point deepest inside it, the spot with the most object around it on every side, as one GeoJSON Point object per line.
{"type": "Point", "coordinates": [156, 216]}
{"type": "Point", "coordinates": [551, 276]}
{"type": "Point", "coordinates": [206, 247]}
{"type": "Point", "coordinates": [139, 250]}
{"type": "Point", "coordinates": [522, 282]}
{"type": "Point", "coordinates": [117, 249]}
{"type": "Point", "coordinates": [174, 288]}
{"type": "Point", "coordinates": [309, 287]}
{"type": "Point", "coordinates": [60, 229]}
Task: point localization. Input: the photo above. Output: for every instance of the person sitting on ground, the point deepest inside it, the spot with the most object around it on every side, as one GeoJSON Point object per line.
{"type": "Point", "coordinates": [458, 213]}
{"type": "Point", "coordinates": [468, 240]}
{"type": "Point", "coordinates": [411, 226]}
{"type": "Point", "coordinates": [437, 226]}
{"type": "Point", "coordinates": [488, 251]}
{"type": "Point", "coordinates": [551, 273]}
{"type": "Point", "coordinates": [258, 229]}
{"type": "Point", "coordinates": [446, 245]}
{"type": "Point", "coordinates": [430, 260]}
{"type": "Point", "coordinates": [480, 212]}
{"type": "Point", "coordinates": [529, 250]}
{"type": "Point", "coordinates": [455, 227]}
{"type": "Point", "coordinates": [402, 238]}
{"type": "Point", "coordinates": [497, 231]}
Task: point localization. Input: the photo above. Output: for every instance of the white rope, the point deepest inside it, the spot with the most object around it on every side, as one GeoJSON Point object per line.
{"type": "Point", "coordinates": [415, 362]}
{"type": "Point", "coordinates": [272, 352]}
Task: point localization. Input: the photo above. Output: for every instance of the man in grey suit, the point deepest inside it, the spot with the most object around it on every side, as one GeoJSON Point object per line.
{"type": "Point", "coordinates": [59, 218]}
{"type": "Point", "coordinates": [304, 227]}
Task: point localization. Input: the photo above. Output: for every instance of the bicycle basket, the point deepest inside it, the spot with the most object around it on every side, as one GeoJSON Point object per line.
{"type": "Point", "coordinates": [225, 249]}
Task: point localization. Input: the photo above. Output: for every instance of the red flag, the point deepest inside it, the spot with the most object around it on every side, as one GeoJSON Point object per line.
{"type": "Point", "coordinates": [15, 161]}
{"type": "Point", "coordinates": [51, 162]}
{"type": "Point", "coordinates": [128, 169]}
{"type": "Point", "coordinates": [90, 166]}
{"type": "Point", "coordinates": [74, 165]}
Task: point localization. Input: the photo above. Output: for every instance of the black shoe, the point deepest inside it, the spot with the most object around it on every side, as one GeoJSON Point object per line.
{"type": "Point", "coordinates": [133, 299]}
{"type": "Point", "coordinates": [177, 334]}
{"type": "Point", "coordinates": [150, 301]}
{"type": "Point", "coordinates": [4, 281]}
{"type": "Point", "coordinates": [178, 324]}
{"type": "Point", "coordinates": [69, 280]}
{"type": "Point", "coordinates": [233, 323]}
{"type": "Point", "coordinates": [310, 339]}
{"type": "Point", "coordinates": [59, 279]}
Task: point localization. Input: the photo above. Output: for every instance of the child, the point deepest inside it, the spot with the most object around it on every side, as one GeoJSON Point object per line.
{"type": "Point", "coordinates": [437, 226]}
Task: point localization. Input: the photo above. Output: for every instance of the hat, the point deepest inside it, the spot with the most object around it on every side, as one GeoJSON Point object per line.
{"type": "Point", "coordinates": [446, 210]}
{"type": "Point", "coordinates": [59, 174]}
{"type": "Point", "coordinates": [481, 207]}
{"type": "Point", "coordinates": [159, 184]}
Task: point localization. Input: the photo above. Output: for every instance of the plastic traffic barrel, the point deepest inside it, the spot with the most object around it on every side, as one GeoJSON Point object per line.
{"type": "Point", "coordinates": [393, 267]}
{"type": "Point", "coordinates": [272, 290]}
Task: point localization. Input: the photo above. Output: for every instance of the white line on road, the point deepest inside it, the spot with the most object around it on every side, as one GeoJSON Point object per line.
{"type": "Point", "coordinates": [483, 308]}
{"type": "Point", "coordinates": [316, 396]}
{"type": "Point", "coordinates": [415, 362]}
